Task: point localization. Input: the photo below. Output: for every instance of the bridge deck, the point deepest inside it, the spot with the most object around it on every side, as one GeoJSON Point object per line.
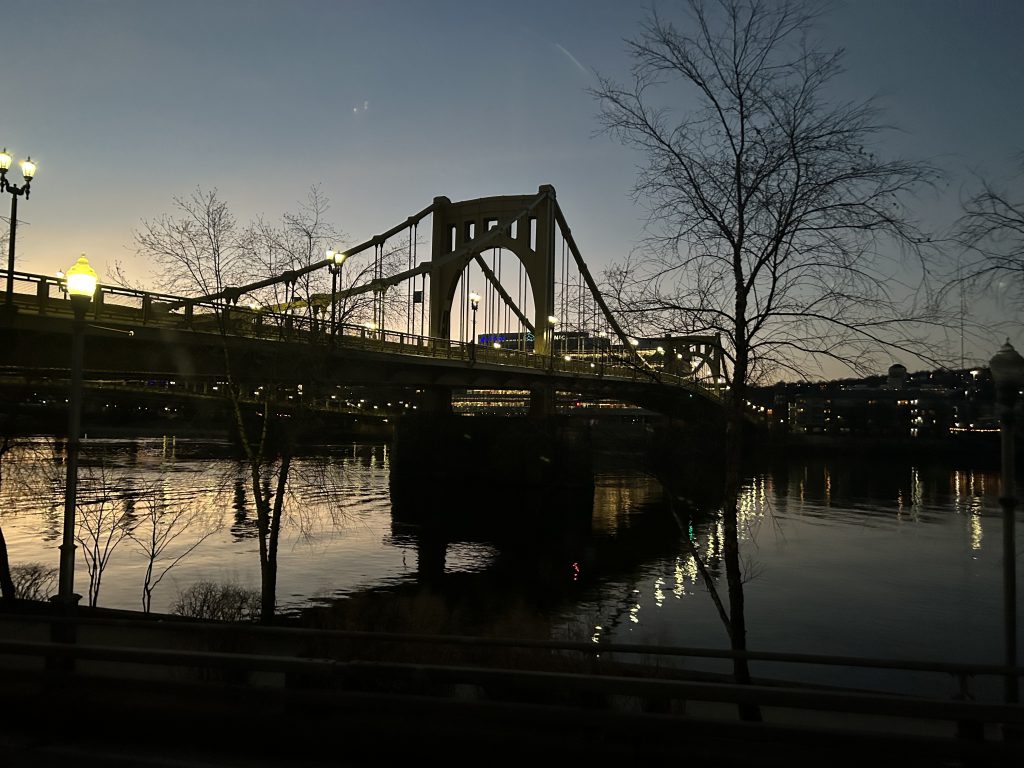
{"type": "Point", "coordinates": [137, 333]}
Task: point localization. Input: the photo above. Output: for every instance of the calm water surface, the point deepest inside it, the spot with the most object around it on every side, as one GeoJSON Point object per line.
{"type": "Point", "coordinates": [848, 558]}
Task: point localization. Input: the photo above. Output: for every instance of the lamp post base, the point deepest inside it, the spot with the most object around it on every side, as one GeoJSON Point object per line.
{"type": "Point", "coordinates": [74, 600]}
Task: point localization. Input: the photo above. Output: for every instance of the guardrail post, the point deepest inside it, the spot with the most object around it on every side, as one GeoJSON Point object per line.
{"type": "Point", "coordinates": [967, 730]}
{"type": "Point", "coordinates": [64, 630]}
{"type": "Point", "coordinates": [147, 308]}
{"type": "Point", "coordinates": [97, 302]}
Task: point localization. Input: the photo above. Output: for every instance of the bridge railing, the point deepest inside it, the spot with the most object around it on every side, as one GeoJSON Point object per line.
{"type": "Point", "coordinates": [47, 295]}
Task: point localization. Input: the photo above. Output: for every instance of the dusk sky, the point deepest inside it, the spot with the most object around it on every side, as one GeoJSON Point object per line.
{"type": "Point", "coordinates": [386, 104]}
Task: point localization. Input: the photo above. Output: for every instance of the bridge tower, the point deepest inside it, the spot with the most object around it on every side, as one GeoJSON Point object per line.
{"type": "Point", "coordinates": [529, 233]}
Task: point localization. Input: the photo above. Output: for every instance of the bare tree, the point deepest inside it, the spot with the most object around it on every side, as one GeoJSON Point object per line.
{"type": "Point", "coordinates": [34, 581]}
{"type": "Point", "coordinates": [213, 601]}
{"type": "Point", "coordinates": [167, 532]}
{"type": "Point", "coordinates": [385, 307]}
{"type": "Point", "coordinates": [771, 219]}
{"type": "Point", "coordinates": [201, 249]}
{"type": "Point", "coordinates": [991, 233]}
{"type": "Point", "coordinates": [301, 239]}
{"type": "Point", "coordinates": [105, 519]}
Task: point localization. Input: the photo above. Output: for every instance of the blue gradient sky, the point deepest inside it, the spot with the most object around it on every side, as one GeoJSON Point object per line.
{"type": "Point", "coordinates": [387, 103]}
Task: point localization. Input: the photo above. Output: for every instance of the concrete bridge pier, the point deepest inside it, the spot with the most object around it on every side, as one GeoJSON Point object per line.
{"type": "Point", "coordinates": [436, 401]}
{"type": "Point", "coordinates": [542, 401]}
{"type": "Point", "coordinates": [489, 469]}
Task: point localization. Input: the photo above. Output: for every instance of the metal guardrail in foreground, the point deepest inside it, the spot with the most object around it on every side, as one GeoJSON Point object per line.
{"type": "Point", "coordinates": [329, 660]}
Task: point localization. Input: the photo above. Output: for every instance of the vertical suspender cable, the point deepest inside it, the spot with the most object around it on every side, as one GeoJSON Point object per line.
{"type": "Point", "coordinates": [383, 295]}
{"type": "Point", "coordinates": [581, 311]}
{"type": "Point", "coordinates": [410, 289]}
{"type": "Point", "coordinates": [521, 332]}
{"type": "Point", "coordinates": [376, 294]}
{"type": "Point", "coordinates": [565, 287]}
{"type": "Point", "coordinates": [495, 298]}
{"type": "Point", "coordinates": [423, 282]}
{"type": "Point", "coordinates": [502, 321]}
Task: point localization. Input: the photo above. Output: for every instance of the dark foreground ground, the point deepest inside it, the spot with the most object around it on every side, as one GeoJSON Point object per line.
{"type": "Point", "coordinates": [82, 723]}
{"type": "Point", "coordinates": [103, 690]}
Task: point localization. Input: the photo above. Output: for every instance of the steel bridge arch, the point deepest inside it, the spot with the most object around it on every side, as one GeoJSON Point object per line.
{"type": "Point", "coordinates": [527, 226]}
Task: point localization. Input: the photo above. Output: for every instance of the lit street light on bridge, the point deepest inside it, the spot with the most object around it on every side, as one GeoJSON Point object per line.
{"type": "Point", "coordinates": [81, 285]}
{"type": "Point", "coordinates": [553, 322]}
{"type": "Point", "coordinates": [28, 171]}
{"type": "Point", "coordinates": [337, 258]}
{"type": "Point", "coordinates": [1007, 368]}
{"type": "Point", "coordinates": [474, 302]}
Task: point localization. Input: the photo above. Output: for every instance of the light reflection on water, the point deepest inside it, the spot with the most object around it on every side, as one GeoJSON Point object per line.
{"type": "Point", "coordinates": [863, 560]}
{"type": "Point", "coordinates": [846, 558]}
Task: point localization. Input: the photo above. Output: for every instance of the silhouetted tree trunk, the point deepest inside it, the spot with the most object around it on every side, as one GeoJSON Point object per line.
{"type": "Point", "coordinates": [6, 581]}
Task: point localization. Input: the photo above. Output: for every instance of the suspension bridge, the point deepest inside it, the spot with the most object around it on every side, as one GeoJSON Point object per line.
{"type": "Point", "coordinates": [503, 301]}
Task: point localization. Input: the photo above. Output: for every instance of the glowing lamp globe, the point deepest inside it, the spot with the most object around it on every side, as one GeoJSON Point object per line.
{"type": "Point", "coordinates": [28, 168]}
{"type": "Point", "coordinates": [81, 279]}
{"type": "Point", "coordinates": [5, 160]}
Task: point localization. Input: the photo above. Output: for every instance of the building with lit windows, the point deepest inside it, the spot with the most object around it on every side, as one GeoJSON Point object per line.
{"type": "Point", "coordinates": [925, 405]}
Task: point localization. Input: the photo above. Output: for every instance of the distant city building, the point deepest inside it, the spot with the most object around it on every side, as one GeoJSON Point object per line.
{"type": "Point", "coordinates": [898, 405]}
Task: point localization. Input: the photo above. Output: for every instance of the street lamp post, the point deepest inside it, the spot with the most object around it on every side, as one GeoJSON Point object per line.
{"type": "Point", "coordinates": [28, 171]}
{"type": "Point", "coordinates": [1007, 367]}
{"type": "Point", "coordinates": [474, 302]}
{"type": "Point", "coordinates": [337, 259]}
{"type": "Point", "coordinates": [553, 322]}
{"type": "Point", "coordinates": [81, 285]}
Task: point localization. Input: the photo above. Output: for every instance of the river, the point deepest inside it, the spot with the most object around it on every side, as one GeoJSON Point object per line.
{"type": "Point", "coordinates": [846, 557]}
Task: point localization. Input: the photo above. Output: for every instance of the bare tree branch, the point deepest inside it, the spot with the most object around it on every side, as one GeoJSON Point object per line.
{"type": "Point", "coordinates": [990, 234]}
{"type": "Point", "coordinates": [765, 198]}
